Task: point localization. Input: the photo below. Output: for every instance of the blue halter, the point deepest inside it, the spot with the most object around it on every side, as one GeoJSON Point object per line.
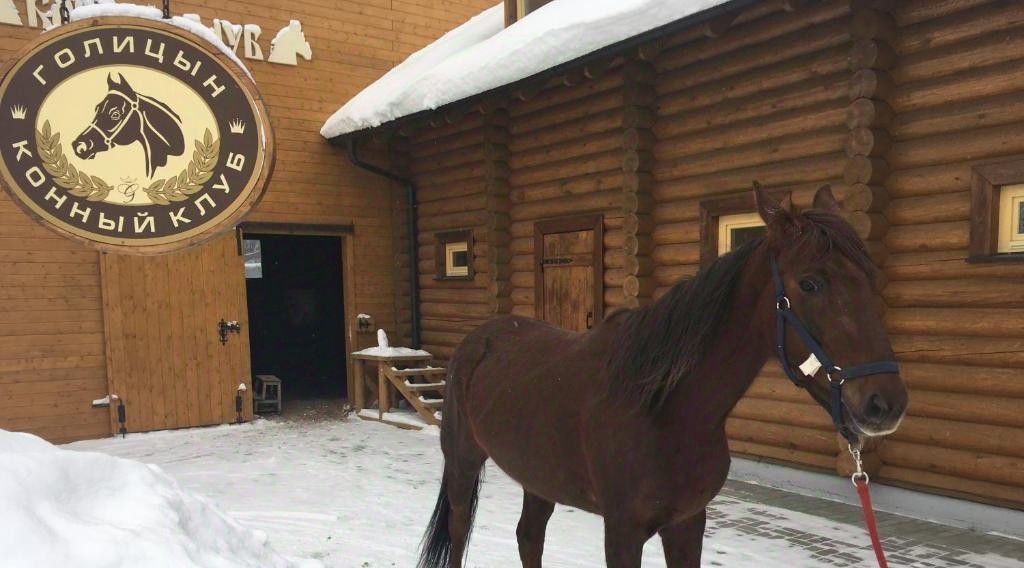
{"type": "Point", "coordinates": [836, 375]}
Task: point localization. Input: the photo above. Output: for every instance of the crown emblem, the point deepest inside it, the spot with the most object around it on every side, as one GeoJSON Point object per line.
{"type": "Point", "coordinates": [18, 112]}
{"type": "Point", "coordinates": [237, 126]}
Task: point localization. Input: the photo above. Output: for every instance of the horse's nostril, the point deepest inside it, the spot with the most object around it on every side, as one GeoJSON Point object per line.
{"type": "Point", "coordinates": [875, 408]}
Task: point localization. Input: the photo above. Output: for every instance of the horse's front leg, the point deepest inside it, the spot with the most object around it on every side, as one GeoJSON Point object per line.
{"type": "Point", "coordinates": [623, 543]}
{"type": "Point", "coordinates": [683, 541]}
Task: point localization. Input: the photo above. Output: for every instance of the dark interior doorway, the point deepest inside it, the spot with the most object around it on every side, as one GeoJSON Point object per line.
{"type": "Point", "coordinates": [296, 312]}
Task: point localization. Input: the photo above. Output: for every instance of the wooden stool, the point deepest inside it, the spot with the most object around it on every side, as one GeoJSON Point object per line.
{"type": "Point", "coordinates": [268, 396]}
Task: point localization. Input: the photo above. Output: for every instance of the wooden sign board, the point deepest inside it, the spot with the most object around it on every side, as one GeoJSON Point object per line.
{"type": "Point", "coordinates": [132, 135]}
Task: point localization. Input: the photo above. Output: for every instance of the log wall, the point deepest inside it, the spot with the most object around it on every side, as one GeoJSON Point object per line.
{"type": "Point", "coordinates": [956, 327]}
{"type": "Point", "coordinates": [52, 343]}
{"type": "Point", "coordinates": [890, 102]}
{"type": "Point", "coordinates": [764, 100]}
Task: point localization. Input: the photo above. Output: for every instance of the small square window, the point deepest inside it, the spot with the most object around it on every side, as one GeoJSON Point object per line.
{"type": "Point", "coordinates": [736, 230]}
{"type": "Point", "coordinates": [454, 255]}
{"type": "Point", "coordinates": [1011, 219]}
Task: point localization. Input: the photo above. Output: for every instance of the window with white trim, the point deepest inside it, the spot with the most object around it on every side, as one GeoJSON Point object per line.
{"type": "Point", "coordinates": [737, 229]}
{"type": "Point", "coordinates": [1011, 219]}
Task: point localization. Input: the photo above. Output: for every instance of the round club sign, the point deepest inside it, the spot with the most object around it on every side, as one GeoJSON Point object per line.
{"type": "Point", "coordinates": [132, 135]}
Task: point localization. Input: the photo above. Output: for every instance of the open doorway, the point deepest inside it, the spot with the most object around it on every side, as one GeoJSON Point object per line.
{"type": "Point", "coordinates": [294, 286]}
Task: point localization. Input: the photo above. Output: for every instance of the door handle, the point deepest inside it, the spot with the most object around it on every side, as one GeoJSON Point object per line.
{"type": "Point", "coordinates": [590, 320]}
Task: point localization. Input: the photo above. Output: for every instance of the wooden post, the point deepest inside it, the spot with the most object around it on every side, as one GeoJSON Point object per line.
{"type": "Point", "coordinates": [638, 98]}
{"type": "Point", "coordinates": [872, 29]}
{"type": "Point", "coordinates": [383, 390]}
{"type": "Point", "coordinates": [358, 385]}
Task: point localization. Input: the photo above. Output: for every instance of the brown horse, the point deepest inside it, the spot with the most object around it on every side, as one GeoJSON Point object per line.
{"type": "Point", "coordinates": [627, 420]}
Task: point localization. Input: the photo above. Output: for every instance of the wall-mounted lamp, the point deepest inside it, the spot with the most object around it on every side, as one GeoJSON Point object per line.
{"type": "Point", "coordinates": [239, 393]}
{"type": "Point", "coordinates": [364, 322]}
{"type": "Point", "coordinates": [226, 327]}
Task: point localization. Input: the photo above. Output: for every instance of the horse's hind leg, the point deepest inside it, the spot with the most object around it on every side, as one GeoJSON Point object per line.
{"type": "Point", "coordinates": [532, 525]}
{"type": "Point", "coordinates": [683, 542]}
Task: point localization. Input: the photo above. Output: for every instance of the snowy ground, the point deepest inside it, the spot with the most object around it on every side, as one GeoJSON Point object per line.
{"type": "Point", "coordinates": [357, 494]}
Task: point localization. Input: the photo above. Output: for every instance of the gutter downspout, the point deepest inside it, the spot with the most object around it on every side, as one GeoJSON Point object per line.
{"type": "Point", "coordinates": [410, 193]}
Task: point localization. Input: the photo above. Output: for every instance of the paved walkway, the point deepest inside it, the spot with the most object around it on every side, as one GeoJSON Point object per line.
{"type": "Point", "coordinates": [907, 542]}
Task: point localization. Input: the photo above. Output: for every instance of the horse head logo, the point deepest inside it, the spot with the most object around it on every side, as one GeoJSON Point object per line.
{"type": "Point", "coordinates": [125, 117]}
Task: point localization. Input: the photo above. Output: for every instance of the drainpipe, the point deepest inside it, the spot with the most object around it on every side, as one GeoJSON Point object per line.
{"type": "Point", "coordinates": [410, 194]}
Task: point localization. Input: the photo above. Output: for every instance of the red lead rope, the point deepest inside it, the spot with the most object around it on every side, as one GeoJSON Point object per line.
{"type": "Point", "coordinates": [869, 518]}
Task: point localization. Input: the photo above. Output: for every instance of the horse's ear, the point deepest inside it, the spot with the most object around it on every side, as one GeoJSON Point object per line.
{"type": "Point", "coordinates": [826, 201]}
{"type": "Point", "coordinates": [771, 211]}
{"type": "Point", "coordinates": [117, 82]}
{"type": "Point", "coordinates": [113, 80]}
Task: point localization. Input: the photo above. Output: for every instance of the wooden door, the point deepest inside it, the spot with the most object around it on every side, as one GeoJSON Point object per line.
{"type": "Point", "coordinates": [164, 355]}
{"type": "Point", "coordinates": [569, 281]}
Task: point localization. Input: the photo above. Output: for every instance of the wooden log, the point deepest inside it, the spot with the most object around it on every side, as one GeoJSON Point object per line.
{"type": "Point", "coordinates": [872, 54]}
{"type": "Point", "coordinates": [865, 170]}
{"type": "Point", "coordinates": [593, 183]}
{"type": "Point", "coordinates": [931, 208]}
{"type": "Point", "coordinates": [578, 129]}
{"type": "Point", "coordinates": [985, 438]}
{"type": "Point", "coordinates": [995, 141]}
{"type": "Point", "coordinates": [638, 265]}
{"type": "Point", "coordinates": [815, 169]}
{"type": "Point", "coordinates": [455, 311]}
{"type": "Point", "coordinates": [561, 100]}
{"type": "Point", "coordinates": [441, 338]}
{"type": "Point", "coordinates": [967, 293]}
{"type": "Point", "coordinates": [524, 311]}
{"type": "Point", "coordinates": [574, 109]}
{"type": "Point", "coordinates": [983, 351]}
{"type": "Point", "coordinates": [688, 253]}
{"type": "Point", "coordinates": [953, 485]}
{"type": "Point", "coordinates": [782, 455]}
{"type": "Point", "coordinates": [952, 235]}
{"type": "Point", "coordinates": [677, 118]}
{"type": "Point", "coordinates": [972, 21]}
{"type": "Point", "coordinates": [671, 275]}
{"type": "Point", "coordinates": [637, 161]}
{"type": "Point", "coordinates": [868, 113]}
{"type": "Point", "coordinates": [1003, 322]}
{"type": "Point", "coordinates": [461, 326]}
{"type": "Point", "coordinates": [873, 24]}
{"type": "Point", "coordinates": [983, 51]}
{"type": "Point", "coordinates": [676, 233]}
{"type": "Point", "coordinates": [580, 166]}
{"type": "Point", "coordinates": [522, 279]}
{"type": "Point", "coordinates": [560, 206]}
{"type": "Point", "coordinates": [637, 286]}
{"type": "Point", "coordinates": [929, 180]}
{"type": "Point", "coordinates": [868, 226]}
{"type": "Point", "coordinates": [867, 142]}
{"type": "Point", "coordinates": [968, 465]}
{"type": "Point", "coordinates": [775, 130]}
{"type": "Point", "coordinates": [861, 197]}
{"type": "Point", "coordinates": [781, 435]}
{"type": "Point", "coordinates": [871, 84]}
{"type": "Point", "coordinates": [446, 296]}
{"type": "Point", "coordinates": [967, 115]}
{"type": "Point", "coordinates": [468, 203]}
{"type": "Point", "coordinates": [952, 378]}
{"type": "Point", "coordinates": [557, 153]}
{"type": "Point", "coordinates": [947, 264]}
{"type": "Point", "coordinates": [946, 90]}
{"type": "Point", "coordinates": [637, 223]}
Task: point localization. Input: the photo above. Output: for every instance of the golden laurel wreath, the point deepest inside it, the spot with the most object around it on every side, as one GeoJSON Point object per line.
{"type": "Point", "coordinates": [161, 192]}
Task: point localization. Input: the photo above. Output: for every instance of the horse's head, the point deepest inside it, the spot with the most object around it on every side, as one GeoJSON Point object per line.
{"type": "Point", "coordinates": [830, 283]}
{"type": "Point", "coordinates": [107, 128]}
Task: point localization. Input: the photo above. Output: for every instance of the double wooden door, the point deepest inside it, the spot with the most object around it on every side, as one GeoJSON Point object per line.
{"type": "Point", "coordinates": [569, 271]}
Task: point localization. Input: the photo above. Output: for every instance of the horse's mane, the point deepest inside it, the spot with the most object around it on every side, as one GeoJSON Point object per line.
{"type": "Point", "coordinates": [662, 344]}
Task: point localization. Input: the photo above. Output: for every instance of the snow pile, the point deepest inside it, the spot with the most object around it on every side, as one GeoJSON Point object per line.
{"type": "Point", "coordinates": [83, 509]}
{"type": "Point", "coordinates": [84, 12]}
{"type": "Point", "coordinates": [482, 54]}
{"type": "Point", "coordinates": [379, 351]}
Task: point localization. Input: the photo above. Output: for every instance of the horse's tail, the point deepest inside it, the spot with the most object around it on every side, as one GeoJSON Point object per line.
{"type": "Point", "coordinates": [437, 542]}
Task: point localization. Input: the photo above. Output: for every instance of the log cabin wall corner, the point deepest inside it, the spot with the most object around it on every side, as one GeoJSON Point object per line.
{"type": "Point", "coordinates": [891, 103]}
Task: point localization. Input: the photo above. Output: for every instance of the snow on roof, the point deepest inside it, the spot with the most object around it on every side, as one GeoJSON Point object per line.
{"type": "Point", "coordinates": [105, 8]}
{"type": "Point", "coordinates": [483, 54]}
{"type": "Point", "coordinates": [92, 510]}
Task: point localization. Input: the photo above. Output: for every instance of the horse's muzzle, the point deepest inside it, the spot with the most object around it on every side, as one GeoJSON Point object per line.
{"type": "Point", "coordinates": [881, 406]}
{"type": "Point", "coordinates": [84, 149]}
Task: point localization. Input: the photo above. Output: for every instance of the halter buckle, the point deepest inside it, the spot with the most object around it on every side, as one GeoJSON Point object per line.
{"type": "Point", "coordinates": [859, 463]}
{"type": "Point", "coordinates": [778, 303]}
{"type": "Point", "coordinates": [836, 368]}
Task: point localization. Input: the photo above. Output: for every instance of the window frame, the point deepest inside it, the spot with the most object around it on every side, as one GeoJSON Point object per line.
{"type": "Point", "coordinates": [713, 209]}
{"type": "Point", "coordinates": [735, 221]}
{"type": "Point", "coordinates": [441, 242]}
{"type": "Point", "coordinates": [987, 181]}
{"type": "Point", "coordinates": [516, 10]}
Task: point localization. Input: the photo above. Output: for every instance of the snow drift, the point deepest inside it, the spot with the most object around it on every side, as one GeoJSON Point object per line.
{"type": "Point", "coordinates": [84, 509]}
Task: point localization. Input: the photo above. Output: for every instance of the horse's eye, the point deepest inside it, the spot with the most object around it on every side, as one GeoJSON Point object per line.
{"type": "Point", "coordinates": [810, 286]}
{"type": "Point", "coordinates": [115, 114]}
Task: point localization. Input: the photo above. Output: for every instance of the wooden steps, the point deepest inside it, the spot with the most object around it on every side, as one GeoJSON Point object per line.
{"type": "Point", "coordinates": [421, 388]}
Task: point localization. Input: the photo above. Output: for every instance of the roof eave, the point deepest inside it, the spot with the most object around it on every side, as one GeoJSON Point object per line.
{"type": "Point", "coordinates": [561, 69]}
